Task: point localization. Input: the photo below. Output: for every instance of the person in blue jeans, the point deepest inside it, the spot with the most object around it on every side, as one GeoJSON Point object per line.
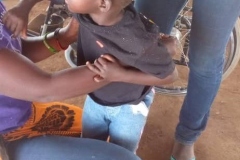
{"type": "Point", "coordinates": [212, 24]}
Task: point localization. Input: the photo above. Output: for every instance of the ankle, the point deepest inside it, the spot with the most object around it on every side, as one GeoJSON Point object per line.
{"type": "Point", "coordinates": [183, 151]}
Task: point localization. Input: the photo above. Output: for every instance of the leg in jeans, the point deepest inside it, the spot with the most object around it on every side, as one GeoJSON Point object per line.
{"type": "Point", "coordinates": [65, 148]}
{"type": "Point", "coordinates": [94, 122]}
{"type": "Point", "coordinates": [45, 148]}
{"type": "Point", "coordinates": [127, 124]}
{"type": "Point", "coordinates": [211, 27]}
{"type": "Point", "coordinates": [162, 12]}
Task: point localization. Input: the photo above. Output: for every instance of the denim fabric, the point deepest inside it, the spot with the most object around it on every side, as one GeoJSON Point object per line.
{"type": "Point", "coordinates": [212, 23]}
{"type": "Point", "coordinates": [66, 148]}
{"type": "Point", "coordinates": [122, 124]}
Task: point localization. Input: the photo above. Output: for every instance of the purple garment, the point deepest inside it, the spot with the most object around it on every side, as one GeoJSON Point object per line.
{"type": "Point", "coordinates": [13, 112]}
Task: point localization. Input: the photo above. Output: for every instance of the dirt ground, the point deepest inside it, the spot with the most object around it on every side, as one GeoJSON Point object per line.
{"type": "Point", "coordinates": [220, 141]}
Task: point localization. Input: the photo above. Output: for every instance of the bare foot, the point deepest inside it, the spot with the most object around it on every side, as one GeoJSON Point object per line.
{"type": "Point", "coordinates": [183, 152]}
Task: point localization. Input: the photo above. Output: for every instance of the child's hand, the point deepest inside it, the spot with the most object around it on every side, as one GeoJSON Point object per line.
{"type": "Point", "coordinates": [16, 20]}
{"type": "Point", "coordinates": [170, 43]}
{"type": "Point", "coordinates": [107, 68]}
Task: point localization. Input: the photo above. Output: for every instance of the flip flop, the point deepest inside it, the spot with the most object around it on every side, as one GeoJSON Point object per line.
{"type": "Point", "coordinates": [172, 158]}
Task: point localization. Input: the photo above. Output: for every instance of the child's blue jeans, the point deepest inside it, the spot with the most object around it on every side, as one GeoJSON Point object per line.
{"type": "Point", "coordinates": [122, 124]}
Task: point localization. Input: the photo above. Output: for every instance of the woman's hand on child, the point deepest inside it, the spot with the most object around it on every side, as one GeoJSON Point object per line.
{"type": "Point", "coordinates": [170, 43]}
{"type": "Point", "coordinates": [16, 20]}
{"type": "Point", "coordinates": [107, 68]}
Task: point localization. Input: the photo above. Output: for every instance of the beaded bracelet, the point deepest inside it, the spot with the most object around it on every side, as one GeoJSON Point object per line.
{"type": "Point", "coordinates": [50, 48]}
{"type": "Point", "coordinates": [56, 33]}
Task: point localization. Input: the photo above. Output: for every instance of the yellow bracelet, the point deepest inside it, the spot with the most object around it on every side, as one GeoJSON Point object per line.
{"type": "Point", "coordinates": [50, 48]}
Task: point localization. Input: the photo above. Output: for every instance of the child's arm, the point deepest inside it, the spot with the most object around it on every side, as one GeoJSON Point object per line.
{"type": "Point", "coordinates": [35, 50]}
{"type": "Point", "coordinates": [16, 18]}
{"type": "Point", "coordinates": [108, 68]}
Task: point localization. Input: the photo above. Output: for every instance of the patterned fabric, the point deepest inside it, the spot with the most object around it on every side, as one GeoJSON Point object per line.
{"type": "Point", "coordinates": [50, 119]}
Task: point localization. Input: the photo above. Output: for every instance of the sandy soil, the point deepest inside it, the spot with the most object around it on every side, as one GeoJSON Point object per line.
{"type": "Point", "coordinates": [220, 141]}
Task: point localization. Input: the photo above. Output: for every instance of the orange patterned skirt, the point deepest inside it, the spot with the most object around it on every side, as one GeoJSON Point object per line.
{"type": "Point", "coordinates": [53, 118]}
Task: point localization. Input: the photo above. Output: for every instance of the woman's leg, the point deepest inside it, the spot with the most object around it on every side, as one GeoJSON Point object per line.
{"type": "Point", "coordinates": [162, 12]}
{"type": "Point", "coordinates": [211, 27]}
{"type": "Point", "coordinates": [66, 148]}
{"type": "Point", "coordinates": [94, 122]}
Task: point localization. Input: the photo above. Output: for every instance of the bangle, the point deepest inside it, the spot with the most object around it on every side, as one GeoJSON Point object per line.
{"type": "Point", "coordinates": [50, 48]}
{"type": "Point", "coordinates": [56, 33]}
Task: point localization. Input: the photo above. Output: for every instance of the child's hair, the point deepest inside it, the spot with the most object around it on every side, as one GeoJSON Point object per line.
{"type": "Point", "coordinates": [3, 152]}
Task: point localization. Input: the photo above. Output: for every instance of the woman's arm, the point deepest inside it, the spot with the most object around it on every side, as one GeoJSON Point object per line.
{"type": "Point", "coordinates": [20, 78]}
{"type": "Point", "coordinates": [35, 50]}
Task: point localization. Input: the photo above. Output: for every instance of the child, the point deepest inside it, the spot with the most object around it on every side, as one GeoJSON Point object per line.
{"type": "Point", "coordinates": [119, 110]}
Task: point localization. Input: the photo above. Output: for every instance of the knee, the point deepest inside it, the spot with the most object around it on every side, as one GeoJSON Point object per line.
{"type": "Point", "coordinates": [207, 65]}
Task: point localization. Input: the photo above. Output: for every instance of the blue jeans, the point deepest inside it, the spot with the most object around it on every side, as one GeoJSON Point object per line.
{"type": "Point", "coordinates": [66, 148]}
{"type": "Point", "coordinates": [213, 21]}
{"type": "Point", "coordinates": [122, 124]}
